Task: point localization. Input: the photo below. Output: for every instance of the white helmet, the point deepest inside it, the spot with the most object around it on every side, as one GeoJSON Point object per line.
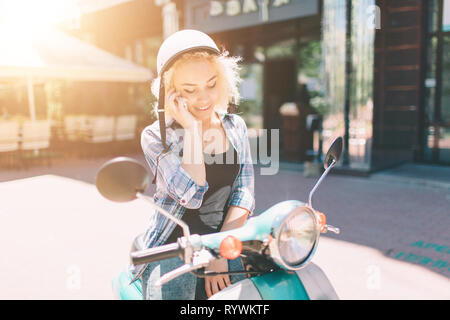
{"type": "Point", "coordinates": [172, 48]}
{"type": "Point", "coordinates": [181, 42]}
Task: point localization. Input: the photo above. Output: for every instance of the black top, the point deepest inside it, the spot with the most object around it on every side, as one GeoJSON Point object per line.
{"type": "Point", "coordinates": [221, 172]}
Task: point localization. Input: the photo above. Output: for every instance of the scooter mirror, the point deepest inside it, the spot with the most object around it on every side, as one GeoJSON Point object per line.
{"type": "Point", "coordinates": [334, 152]}
{"type": "Point", "coordinates": [120, 179]}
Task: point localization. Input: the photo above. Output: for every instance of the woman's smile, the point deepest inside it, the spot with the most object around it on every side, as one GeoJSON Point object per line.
{"type": "Point", "coordinates": [205, 108]}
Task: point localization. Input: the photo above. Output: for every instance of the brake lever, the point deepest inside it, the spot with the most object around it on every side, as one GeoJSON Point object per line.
{"type": "Point", "coordinates": [201, 259]}
{"type": "Point", "coordinates": [332, 229]}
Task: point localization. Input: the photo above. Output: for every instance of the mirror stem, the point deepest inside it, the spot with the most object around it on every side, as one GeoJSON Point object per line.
{"type": "Point", "coordinates": [319, 182]}
{"type": "Point", "coordinates": [182, 224]}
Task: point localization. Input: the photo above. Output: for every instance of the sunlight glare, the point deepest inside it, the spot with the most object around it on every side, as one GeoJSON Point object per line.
{"type": "Point", "coordinates": [29, 15]}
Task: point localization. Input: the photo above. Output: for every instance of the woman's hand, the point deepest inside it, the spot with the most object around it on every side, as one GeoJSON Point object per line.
{"type": "Point", "coordinates": [179, 110]}
{"type": "Point", "coordinates": [217, 283]}
{"type": "Point", "coordinates": [235, 218]}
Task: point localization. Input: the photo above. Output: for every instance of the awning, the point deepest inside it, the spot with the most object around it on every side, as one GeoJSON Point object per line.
{"type": "Point", "coordinates": [56, 55]}
{"type": "Point", "coordinates": [52, 54]}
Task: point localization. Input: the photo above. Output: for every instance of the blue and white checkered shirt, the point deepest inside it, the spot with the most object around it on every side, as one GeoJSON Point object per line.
{"type": "Point", "coordinates": [176, 190]}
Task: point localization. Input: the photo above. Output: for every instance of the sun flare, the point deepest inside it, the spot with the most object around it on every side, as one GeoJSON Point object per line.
{"type": "Point", "coordinates": [31, 15]}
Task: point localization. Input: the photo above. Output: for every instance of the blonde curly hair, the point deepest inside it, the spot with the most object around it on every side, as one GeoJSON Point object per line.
{"type": "Point", "coordinates": [228, 75]}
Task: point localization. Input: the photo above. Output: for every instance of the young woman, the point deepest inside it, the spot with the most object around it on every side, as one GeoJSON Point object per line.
{"type": "Point", "coordinates": [200, 156]}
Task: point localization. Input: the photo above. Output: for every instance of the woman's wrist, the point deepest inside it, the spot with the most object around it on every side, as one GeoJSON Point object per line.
{"type": "Point", "coordinates": [235, 218]}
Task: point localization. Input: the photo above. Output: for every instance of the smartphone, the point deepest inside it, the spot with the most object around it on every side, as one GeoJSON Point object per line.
{"type": "Point", "coordinates": [183, 102]}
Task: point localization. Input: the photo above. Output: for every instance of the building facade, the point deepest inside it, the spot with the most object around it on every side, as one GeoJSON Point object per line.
{"type": "Point", "coordinates": [377, 71]}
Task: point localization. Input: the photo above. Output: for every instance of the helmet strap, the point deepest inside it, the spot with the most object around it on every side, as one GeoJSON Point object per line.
{"type": "Point", "coordinates": [161, 115]}
{"type": "Point", "coordinates": [162, 125]}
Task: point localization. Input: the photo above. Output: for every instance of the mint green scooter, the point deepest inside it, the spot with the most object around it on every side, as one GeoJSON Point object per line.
{"type": "Point", "coordinates": [276, 246]}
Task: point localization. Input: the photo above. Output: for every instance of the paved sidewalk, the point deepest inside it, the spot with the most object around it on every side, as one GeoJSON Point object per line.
{"type": "Point", "coordinates": [433, 176]}
{"type": "Point", "coordinates": [394, 241]}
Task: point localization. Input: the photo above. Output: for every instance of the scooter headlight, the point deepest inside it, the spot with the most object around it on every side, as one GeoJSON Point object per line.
{"type": "Point", "coordinates": [295, 239]}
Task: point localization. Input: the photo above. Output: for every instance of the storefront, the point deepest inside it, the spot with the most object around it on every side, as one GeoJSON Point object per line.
{"type": "Point", "coordinates": [295, 51]}
{"type": "Point", "coordinates": [280, 42]}
{"type": "Point", "coordinates": [386, 90]}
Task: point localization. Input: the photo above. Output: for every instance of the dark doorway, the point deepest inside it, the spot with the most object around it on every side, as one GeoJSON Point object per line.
{"type": "Point", "coordinates": [279, 87]}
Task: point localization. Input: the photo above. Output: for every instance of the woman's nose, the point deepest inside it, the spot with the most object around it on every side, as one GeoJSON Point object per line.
{"type": "Point", "coordinates": [203, 97]}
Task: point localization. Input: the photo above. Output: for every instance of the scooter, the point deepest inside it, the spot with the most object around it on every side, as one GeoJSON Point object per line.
{"type": "Point", "coordinates": [276, 246]}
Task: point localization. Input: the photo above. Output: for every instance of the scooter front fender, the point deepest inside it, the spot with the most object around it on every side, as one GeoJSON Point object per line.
{"type": "Point", "coordinates": [280, 285]}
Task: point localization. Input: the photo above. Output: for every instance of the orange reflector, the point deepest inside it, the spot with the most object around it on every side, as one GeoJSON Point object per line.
{"type": "Point", "coordinates": [322, 219]}
{"type": "Point", "coordinates": [230, 248]}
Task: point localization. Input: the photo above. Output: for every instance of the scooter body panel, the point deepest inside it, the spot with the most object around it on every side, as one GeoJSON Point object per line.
{"type": "Point", "coordinates": [122, 288]}
{"type": "Point", "coordinates": [309, 283]}
{"type": "Point", "coordinates": [280, 285]}
{"type": "Point", "coordinates": [242, 290]}
{"type": "Point", "coordinates": [256, 228]}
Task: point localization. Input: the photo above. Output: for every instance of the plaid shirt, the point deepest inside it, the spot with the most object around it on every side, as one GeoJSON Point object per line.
{"type": "Point", "coordinates": [176, 190]}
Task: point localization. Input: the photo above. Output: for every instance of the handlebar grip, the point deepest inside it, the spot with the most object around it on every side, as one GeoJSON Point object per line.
{"type": "Point", "coordinates": [155, 254]}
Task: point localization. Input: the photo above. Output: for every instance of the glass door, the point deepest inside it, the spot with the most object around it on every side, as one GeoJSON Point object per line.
{"type": "Point", "coordinates": [437, 84]}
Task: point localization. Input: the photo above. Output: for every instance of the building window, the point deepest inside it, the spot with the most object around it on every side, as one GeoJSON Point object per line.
{"type": "Point", "coordinates": [360, 79]}
{"type": "Point", "coordinates": [437, 84]}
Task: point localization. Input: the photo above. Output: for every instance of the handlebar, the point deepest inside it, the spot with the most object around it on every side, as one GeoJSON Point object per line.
{"type": "Point", "coordinates": [155, 254]}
